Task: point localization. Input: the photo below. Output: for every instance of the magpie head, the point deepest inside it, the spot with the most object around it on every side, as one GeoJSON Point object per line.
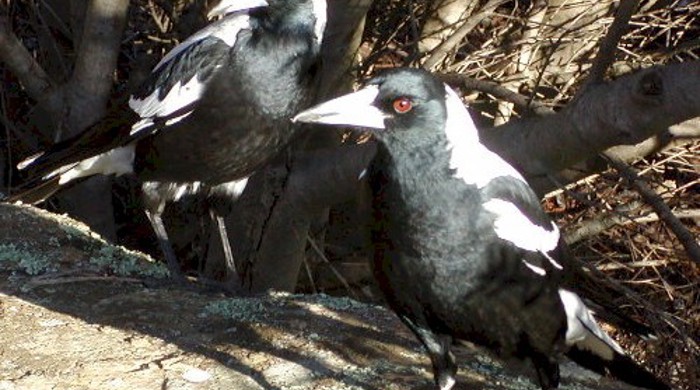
{"type": "Point", "coordinates": [297, 16]}
{"type": "Point", "coordinates": [398, 104]}
{"type": "Point", "coordinates": [281, 15]}
{"type": "Point", "coordinates": [225, 7]}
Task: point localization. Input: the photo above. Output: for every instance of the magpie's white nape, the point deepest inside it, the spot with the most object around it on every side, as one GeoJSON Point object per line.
{"type": "Point", "coordinates": [463, 250]}
{"type": "Point", "coordinates": [205, 119]}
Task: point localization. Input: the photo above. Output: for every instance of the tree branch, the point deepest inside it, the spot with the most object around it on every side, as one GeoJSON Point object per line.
{"type": "Point", "coordinates": [608, 46]}
{"type": "Point", "coordinates": [444, 16]}
{"type": "Point", "coordinates": [496, 90]}
{"type": "Point", "coordinates": [86, 96]}
{"type": "Point", "coordinates": [626, 111]}
{"type": "Point", "coordinates": [22, 64]}
{"type": "Point", "coordinates": [440, 52]}
{"type": "Point", "coordinates": [281, 226]}
{"type": "Point", "coordinates": [657, 203]}
{"type": "Point", "coordinates": [593, 227]}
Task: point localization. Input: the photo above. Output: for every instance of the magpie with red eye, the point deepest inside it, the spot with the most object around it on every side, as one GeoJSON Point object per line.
{"type": "Point", "coordinates": [462, 249]}
{"type": "Point", "coordinates": [204, 120]}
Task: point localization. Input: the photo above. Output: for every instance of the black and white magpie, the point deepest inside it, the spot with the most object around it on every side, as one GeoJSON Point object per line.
{"type": "Point", "coordinates": [215, 109]}
{"type": "Point", "coordinates": [463, 250]}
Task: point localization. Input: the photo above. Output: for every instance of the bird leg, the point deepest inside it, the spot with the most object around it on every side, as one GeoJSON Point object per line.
{"type": "Point", "coordinates": [231, 272]}
{"type": "Point", "coordinates": [438, 346]}
{"type": "Point", "coordinates": [547, 371]}
{"type": "Point", "coordinates": [162, 235]}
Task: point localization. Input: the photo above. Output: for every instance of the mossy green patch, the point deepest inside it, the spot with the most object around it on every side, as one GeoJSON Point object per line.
{"type": "Point", "coordinates": [17, 256]}
{"type": "Point", "coordinates": [124, 262]}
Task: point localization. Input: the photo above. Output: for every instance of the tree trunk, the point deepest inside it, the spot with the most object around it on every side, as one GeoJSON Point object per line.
{"type": "Point", "coordinates": [86, 96]}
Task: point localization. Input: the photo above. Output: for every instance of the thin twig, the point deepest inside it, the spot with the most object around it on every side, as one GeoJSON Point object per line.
{"type": "Point", "coordinates": [439, 53]}
{"type": "Point", "coordinates": [496, 90]}
{"type": "Point", "coordinates": [323, 257]}
{"type": "Point", "coordinates": [310, 275]}
{"type": "Point", "coordinates": [657, 203]}
{"type": "Point", "coordinates": [592, 227]}
{"type": "Point", "coordinates": [634, 264]}
{"type": "Point", "coordinates": [608, 46]}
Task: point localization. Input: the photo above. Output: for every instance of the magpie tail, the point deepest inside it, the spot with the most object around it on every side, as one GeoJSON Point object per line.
{"type": "Point", "coordinates": [602, 296]}
{"type": "Point", "coordinates": [612, 315]}
{"type": "Point", "coordinates": [620, 366]}
{"type": "Point", "coordinates": [591, 347]}
{"type": "Point", "coordinates": [35, 191]}
{"type": "Point", "coordinates": [38, 183]}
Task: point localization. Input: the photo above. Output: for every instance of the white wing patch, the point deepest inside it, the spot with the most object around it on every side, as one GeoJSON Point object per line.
{"type": "Point", "coordinates": [583, 331]}
{"type": "Point", "coordinates": [513, 226]}
{"type": "Point", "coordinates": [117, 161]}
{"type": "Point", "coordinates": [471, 160]}
{"type": "Point", "coordinates": [152, 106]}
{"type": "Point", "coordinates": [183, 94]}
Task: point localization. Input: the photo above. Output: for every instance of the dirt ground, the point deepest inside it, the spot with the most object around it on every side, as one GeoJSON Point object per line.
{"type": "Point", "coordinates": [76, 313]}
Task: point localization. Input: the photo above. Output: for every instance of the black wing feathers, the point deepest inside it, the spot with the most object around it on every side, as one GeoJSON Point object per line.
{"type": "Point", "coordinates": [199, 59]}
{"type": "Point", "coordinates": [518, 192]}
{"type": "Point", "coordinates": [621, 367]}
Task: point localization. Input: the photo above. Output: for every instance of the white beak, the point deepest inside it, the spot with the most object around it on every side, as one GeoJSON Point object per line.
{"type": "Point", "coordinates": [354, 109]}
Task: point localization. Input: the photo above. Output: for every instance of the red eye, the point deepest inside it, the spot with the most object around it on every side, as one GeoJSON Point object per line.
{"type": "Point", "coordinates": [403, 105]}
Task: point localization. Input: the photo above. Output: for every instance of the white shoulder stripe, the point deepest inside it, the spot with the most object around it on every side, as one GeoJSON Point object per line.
{"type": "Point", "coordinates": [513, 226]}
{"type": "Point", "coordinates": [471, 160]}
{"type": "Point", "coordinates": [582, 329]}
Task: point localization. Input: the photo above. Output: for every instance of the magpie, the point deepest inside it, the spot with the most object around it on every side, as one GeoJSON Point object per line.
{"type": "Point", "coordinates": [214, 110]}
{"type": "Point", "coordinates": [462, 249]}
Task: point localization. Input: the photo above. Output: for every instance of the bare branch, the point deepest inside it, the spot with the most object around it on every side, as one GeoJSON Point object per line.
{"type": "Point", "coordinates": [626, 111]}
{"type": "Point", "coordinates": [608, 46]}
{"type": "Point", "coordinates": [443, 18]}
{"type": "Point", "coordinates": [450, 43]}
{"type": "Point", "coordinates": [657, 203]}
{"type": "Point", "coordinates": [592, 227]}
{"type": "Point", "coordinates": [22, 64]}
{"type": "Point", "coordinates": [496, 90]}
